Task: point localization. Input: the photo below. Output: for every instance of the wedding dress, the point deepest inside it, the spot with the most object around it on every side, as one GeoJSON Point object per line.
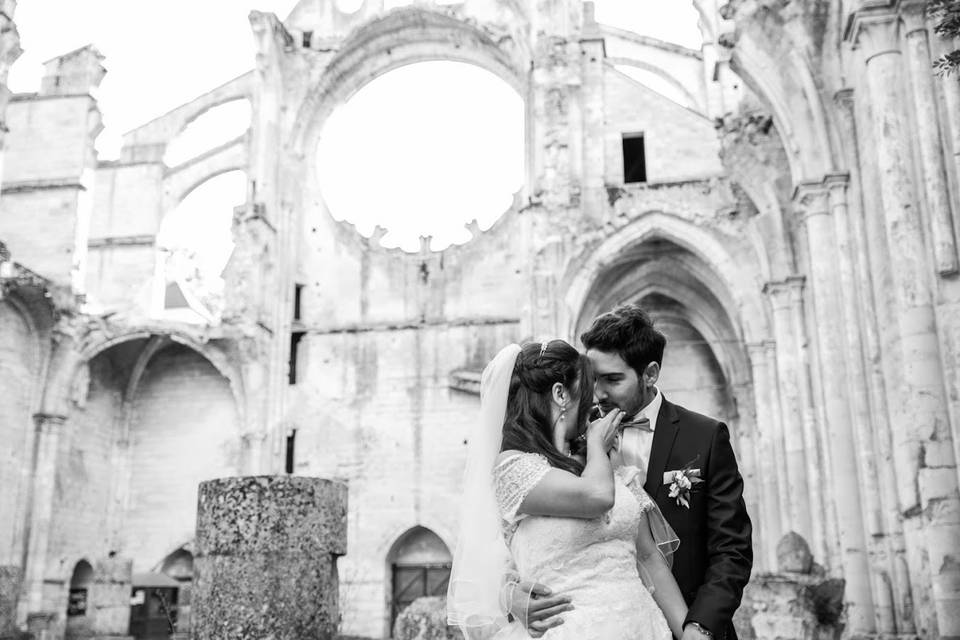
{"type": "Point", "coordinates": [592, 561]}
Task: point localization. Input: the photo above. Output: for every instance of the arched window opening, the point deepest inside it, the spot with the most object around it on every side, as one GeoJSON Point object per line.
{"type": "Point", "coordinates": [423, 150]}
{"type": "Point", "coordinates": [179, 565]}
{"type": "Point", "coordinates": [213, 128]}
{"type": "Point", "coordinates": [419, 566]}
{"type": "Point", "coordinates": [80, 583]}
{"type": "Point", "coordinates": [195, 241]}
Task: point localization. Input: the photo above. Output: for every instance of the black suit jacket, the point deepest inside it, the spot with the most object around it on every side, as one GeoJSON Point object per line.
{"type": "Point", "coordinates": [713, 563]}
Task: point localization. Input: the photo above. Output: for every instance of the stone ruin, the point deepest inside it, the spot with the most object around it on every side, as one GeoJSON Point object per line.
{"type": "Point", "coordinates": [794, 233]}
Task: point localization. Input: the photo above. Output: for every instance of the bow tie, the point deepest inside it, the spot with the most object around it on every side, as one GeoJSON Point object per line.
{"type": "Point", "coordinates": [642, 423]}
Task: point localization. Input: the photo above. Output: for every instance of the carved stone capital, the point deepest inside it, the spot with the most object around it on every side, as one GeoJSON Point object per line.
{"type": "Point", "coordinates": [757, 352]}
{"type": "Point", "coordinates": [49, 422]}
{"type": "Point", "coordinates": [844, 98]}
{"type": "Point", "coordinates": [874, 31]}
{"type": "Point", "coordinates": [253, 437]}
{"type": "Point", "coordinates": [836, 185]}
{"type": "Point", "coordinates": [790, 287]}
{"type": "Point", "coordinates": [810, 199]}
{"type": "Point", "coordinates": [914, 15]}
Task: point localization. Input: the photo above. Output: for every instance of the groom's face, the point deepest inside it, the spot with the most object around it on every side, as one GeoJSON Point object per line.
{"type": "Point", "coordinates": [617, 384]}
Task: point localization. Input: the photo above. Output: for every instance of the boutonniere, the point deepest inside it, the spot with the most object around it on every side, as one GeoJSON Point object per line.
{"type": "Point", "coordinates": [681, 481]}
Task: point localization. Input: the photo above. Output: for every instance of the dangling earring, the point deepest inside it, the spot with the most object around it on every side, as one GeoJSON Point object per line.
{"type": "Point", "coordinates": [560, 441]}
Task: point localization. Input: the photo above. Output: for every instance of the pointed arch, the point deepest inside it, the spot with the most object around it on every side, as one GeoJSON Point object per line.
{"type": "Point", "coordinates": [737, 285]}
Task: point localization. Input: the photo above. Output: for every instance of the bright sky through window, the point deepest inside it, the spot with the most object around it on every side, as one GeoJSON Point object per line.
{"type": "Point", "coordinates": [431, 161]}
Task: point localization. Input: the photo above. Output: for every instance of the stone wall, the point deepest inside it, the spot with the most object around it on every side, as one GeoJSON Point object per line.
{"type": "Point", "coordinates": [376, 409]}
{"type": "Point", "coordinates": [679, 143]}
{"type": "Point", "coordinates": [19, 355]}
{"type": "Point", "coordinates": [86, 479]}
{"type": "Point", "coordinates": [184, 430]}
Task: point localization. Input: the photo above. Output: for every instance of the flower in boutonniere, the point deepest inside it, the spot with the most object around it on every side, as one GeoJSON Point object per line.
{"type": "Point", "coordinates": [682, 481]}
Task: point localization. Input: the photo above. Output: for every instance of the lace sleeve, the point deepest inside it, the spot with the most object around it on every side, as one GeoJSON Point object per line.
{"type": "Point", "coordinates": [632, 477]}
{"type": "Point", "coordinates": [514, 478]}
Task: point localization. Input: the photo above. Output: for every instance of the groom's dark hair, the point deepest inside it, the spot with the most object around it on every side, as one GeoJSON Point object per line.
{"type": "Point", "coordinates": [629, 332]}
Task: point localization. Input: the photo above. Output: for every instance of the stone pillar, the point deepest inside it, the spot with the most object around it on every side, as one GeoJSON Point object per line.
{"type": "Point", "coordinates": [798, 435]}
{"type": "Point", "coordinates": [811, 200]}
{"type": "Point", "coordinates": [48, 430]}
{"type": "Point", "coordinates": [849, 294]}
{"type": "Point", "coordinates": [266, 558]}
{"type": "Point", "coordinates": [929, 142]}
{"type": "Point", "coordinates": [10, 581]}
{"type": "Point", "coordinates": [109, 598]}
{"type": "Point", "coordinates": [923, 452]}
{"type": "Point", "coordinates": [774, 497]}
{"type": "Point", "coordinates": [593, 97]}
{"type": "Point", "coordinates": [853, 244]}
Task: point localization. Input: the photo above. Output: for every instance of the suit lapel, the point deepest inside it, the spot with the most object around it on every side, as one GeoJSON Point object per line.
{"type": "Point", "coordinates": [663, 438]}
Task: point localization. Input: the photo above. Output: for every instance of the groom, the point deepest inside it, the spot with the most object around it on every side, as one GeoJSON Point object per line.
{"type": "Point", "coordinates": [713, 562]}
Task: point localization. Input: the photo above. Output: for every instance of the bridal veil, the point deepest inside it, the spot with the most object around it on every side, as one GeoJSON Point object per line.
{"type": "Point", "coordinates": [481, 559]}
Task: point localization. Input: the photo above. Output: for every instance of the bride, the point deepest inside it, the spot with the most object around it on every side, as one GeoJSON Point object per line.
{"type": "Point", "coordinates": [532, 509]}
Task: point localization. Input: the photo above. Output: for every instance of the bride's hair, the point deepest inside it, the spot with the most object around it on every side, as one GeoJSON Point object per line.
{"type": "Point", "coordinates": [528, 426]}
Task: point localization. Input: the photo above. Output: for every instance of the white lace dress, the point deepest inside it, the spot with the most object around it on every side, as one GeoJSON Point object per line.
{"type": "Point", "coordinates": [592, 561]}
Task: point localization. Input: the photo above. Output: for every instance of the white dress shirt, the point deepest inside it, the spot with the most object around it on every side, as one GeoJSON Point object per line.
{"type": "Point", "coordinates": [635, 444]}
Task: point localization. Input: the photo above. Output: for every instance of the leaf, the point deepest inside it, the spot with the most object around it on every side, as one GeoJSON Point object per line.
{"type": "Point", "coordinates": [684, 502]}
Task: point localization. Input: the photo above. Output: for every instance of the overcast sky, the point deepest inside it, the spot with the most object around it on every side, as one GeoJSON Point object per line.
{"type": "Point", "coordinates": [403, 129]}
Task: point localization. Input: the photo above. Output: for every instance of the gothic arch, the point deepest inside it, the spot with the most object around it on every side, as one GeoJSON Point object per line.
{"type": "Point", "coordinates": [792, 93]}
{"type": "Point", "coordinates": [417, 564]}
{"type": "Point", "coordinates": [69, 357]}
{"type": "Point", "coordinates": [681, 279]}
{"type": "Point", "coordinates": [737, 284]}
{"type": "Point", "coordinates": [401, 37]}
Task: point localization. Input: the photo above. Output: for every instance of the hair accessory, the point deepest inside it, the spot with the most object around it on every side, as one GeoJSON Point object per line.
{"type": "Point", "coordinates": [543, 348]}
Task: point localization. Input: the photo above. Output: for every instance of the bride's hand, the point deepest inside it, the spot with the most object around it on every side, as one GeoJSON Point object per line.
{"type": "Point", "coordinates": [603, 433]}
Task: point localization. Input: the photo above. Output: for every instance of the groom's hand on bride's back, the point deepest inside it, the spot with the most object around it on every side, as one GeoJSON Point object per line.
{"type": "Point", "coordinates": [536, 606]}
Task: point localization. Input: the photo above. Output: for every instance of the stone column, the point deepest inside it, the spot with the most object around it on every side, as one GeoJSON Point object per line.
{"type": "Point", "coordinates": [848, 291]}
{"type": "Point", "coordinates": [49, 428]}
{"type": "Point", "coordinates": [923, 452]}
{"type": "Point", "coordinates": [791, 377]}
{"type": "Point", "coordinates": [592, 96]}
{"type": "Point", "coordinates": [266, 561]}
{"type": "Point", "coordinates": [929, 142]}
{"type": "Point", "coordinates": [811, 200]}
{"type": "Point", "coordinates": [854, 245]}
{"type": "Point", "coordinates": [109, 598]}
{"type": "Point", "coordinates": [774, 497]}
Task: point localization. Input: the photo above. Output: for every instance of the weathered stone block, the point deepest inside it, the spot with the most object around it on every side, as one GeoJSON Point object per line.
{"type": "Point", "coordinates": [790, 607]}
{"type": "Point", "coordinates": [793, 554]}
{"type": "Point", "coordinates": [265, 563]}
{"type": "Point", "coordinates": [10, 580]}
{"type": "Point", "coordinates": [425, 619]}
